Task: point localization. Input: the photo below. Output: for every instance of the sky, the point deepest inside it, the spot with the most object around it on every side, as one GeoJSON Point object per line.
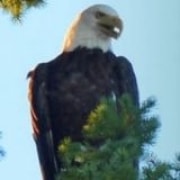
{"type": "Point", "coordinates": [151, 41]}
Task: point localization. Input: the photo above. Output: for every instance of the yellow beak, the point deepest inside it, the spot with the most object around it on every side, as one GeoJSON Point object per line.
{"type": "Point", "coordinates": [112, 26]}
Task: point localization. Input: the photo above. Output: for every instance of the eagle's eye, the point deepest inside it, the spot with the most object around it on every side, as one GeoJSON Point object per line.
{"type": "Point", "coordinates": [99, 14]}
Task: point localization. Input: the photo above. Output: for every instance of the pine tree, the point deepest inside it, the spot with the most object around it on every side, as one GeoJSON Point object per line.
{"type": "Point", "coordinates": [2, 153]}
{"type": "Point", "coordinates": [155, 169]}
{"type": "Point", "coordinates": [17, 7]}
{"type": "Point", "coordinates": [115, 140]}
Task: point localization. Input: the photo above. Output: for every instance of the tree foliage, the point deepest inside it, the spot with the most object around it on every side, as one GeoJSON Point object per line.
{"type": "Point", "coordinates": [108, 149]}
{"type": "Point", "coordinates": [155, 169]}
{"type": "Point", "coordinates": [17, 7]}
{"type": "Point", "coordinates": [2, 153]}
{"type": "Point", "coordinates": [114, 141]}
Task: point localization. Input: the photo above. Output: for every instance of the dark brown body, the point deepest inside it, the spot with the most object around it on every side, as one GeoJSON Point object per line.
{"type": "Point", "coordinates": [64, 91]}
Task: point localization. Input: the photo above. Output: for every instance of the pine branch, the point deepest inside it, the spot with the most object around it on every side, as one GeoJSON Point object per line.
{"type": "Point", "coordinates": [2, 152]}
{"type": "Point", "coordinates": [17, 7]}
{"type": "Point", "coordinates": [114, 140]}
{"type": "Point", "coordinates": [159, 170]}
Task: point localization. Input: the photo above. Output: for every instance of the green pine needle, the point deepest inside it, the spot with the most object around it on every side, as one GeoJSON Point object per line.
{"type": "Point", "coordinates": [115, 135]}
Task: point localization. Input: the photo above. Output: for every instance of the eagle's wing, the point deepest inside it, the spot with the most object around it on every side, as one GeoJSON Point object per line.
{"type": "Point", "coordinates": [41, 122]}
{"type": "Point", "coordinates": [128, 83]}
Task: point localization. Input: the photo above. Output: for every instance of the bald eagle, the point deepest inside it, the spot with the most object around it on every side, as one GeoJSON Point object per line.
{"type": "Point", "coordinates": [64, 91]}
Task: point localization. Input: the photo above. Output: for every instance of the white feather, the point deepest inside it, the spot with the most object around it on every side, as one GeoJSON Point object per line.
{"type": "Point", "coordinates": [84, 32]}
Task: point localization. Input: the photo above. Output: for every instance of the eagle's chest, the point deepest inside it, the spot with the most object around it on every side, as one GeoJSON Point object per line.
{"type": "Point", "coordinates": [75, 87]}
{"type": "Point", "coordinates": [79, 85]}
{"type": "Point", "coordinates": [88, 79]}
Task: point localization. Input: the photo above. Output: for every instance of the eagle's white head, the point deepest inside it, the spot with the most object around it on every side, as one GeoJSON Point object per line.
{"type": "Point", "coordinates": [94, 28]}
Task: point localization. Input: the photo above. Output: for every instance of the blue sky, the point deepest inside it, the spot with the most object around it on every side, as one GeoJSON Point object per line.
{"type": "Point", "coordinates": [151, 41]}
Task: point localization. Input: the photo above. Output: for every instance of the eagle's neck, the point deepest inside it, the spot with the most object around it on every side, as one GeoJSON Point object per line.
{"type": "Point", "coordinates": [80, 35]}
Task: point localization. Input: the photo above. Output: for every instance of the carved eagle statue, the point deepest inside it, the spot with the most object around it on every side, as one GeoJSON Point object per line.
{"type": "Point", "coordinates": [63, 91]}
